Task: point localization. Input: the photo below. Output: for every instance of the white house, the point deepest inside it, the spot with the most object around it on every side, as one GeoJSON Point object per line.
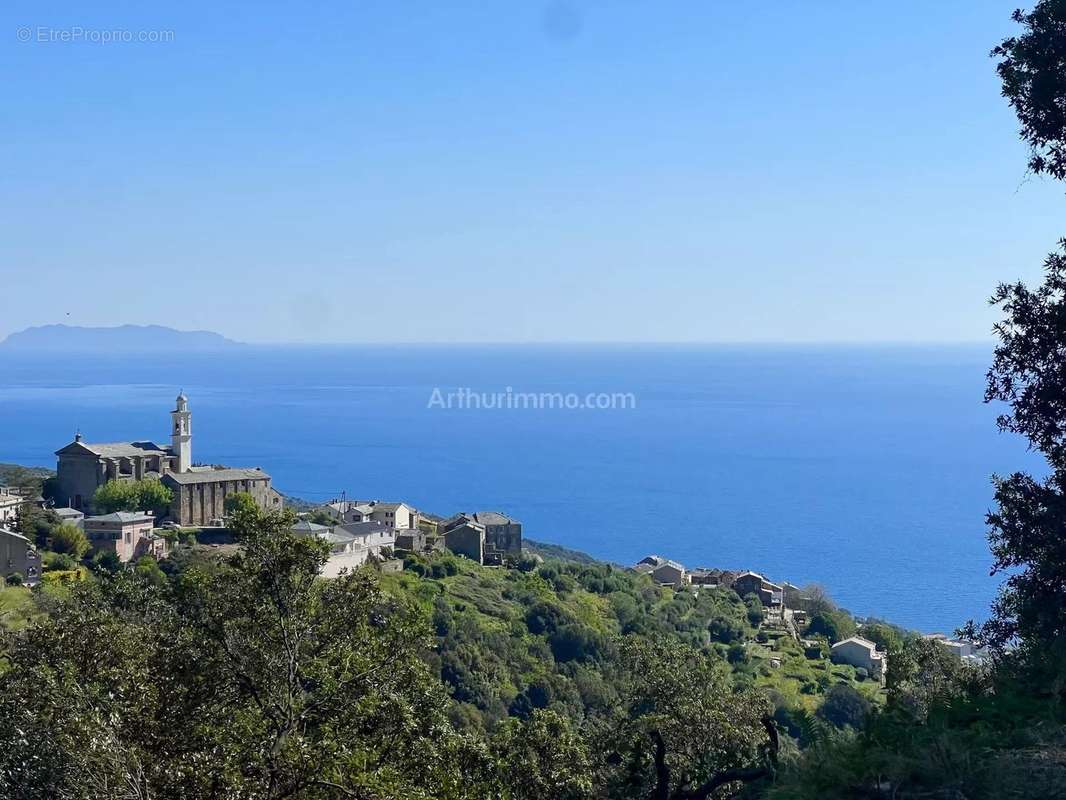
{"type": "Point", "coordinates": [350, 545]}
{"type": "Point", "coordinates": [394, 515]}
{"type": "Point", "coordinates": [10, 500]}
{"type": "Point", "coordinates": [859, 652]}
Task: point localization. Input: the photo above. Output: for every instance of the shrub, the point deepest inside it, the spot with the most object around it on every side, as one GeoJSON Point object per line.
{"type": "Point", "coordinates": [844, 706]}
{"type": "Point", "coordinates": [59, 561]}
{"type": "Point", "coordinates": [14, 579]}
{"type": "Point", "coordinates": [70, 539]}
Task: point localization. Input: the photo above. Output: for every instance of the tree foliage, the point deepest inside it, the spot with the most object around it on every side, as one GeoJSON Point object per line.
{"type": "Point", "coordinates": [260, 680]}
{"type": "Point", "coordinates": [682, 730]}
{"type": "Point", "coordinates": [70, 539]}
{"type": "Point", "coordinates": [1032, 68]}
{"type": "Point", "coordinates": [141, 495]}
{"type": "Point", "coordinates": [1027, 529]}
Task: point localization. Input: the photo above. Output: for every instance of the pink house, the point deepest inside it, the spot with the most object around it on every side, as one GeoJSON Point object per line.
{"type": "Point", "coordinates": [128, 533]}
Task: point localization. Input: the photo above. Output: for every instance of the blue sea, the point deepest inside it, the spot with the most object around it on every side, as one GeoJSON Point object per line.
{"type": "Point", "coordinates": [865, 469]}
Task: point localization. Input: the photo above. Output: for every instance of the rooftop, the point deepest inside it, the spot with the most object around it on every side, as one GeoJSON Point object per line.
{"type": "Point", "coordinates": [123, 517]}
{"type": "Point", "coordinates": [215, 475]}
{"type": "Point", "coordinates": [124, 449]}
{"type": "Point", "coordinates": [493, 518]}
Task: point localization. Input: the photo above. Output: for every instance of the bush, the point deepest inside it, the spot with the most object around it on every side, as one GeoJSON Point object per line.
{"type": "Point", "coordinates": [59, 561]}
{"type": "Point", "coordinates": [14, 579]}
{"type": "Point", "coordinates": [844, 706]}
{"type": "Point", "coordinates": [834, 625]}
{"type": "Point", "coordinates": [107, 561]}
{"type": "Point", "coordinates": [70, 539]}
{"type": "Point", "coordinates": [575, 643]}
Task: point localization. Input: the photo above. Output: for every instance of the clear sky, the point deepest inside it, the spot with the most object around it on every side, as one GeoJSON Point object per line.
{"type": "Point", "coordinates": [600, 170]}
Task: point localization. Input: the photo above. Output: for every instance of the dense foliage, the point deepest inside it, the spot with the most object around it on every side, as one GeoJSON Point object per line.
{"type": "Point", "coordinates": [950, 728]}
{"type": "Point", "coordinates": [247, 675]}
{"type": "Point", "coordinates": [140, 495]}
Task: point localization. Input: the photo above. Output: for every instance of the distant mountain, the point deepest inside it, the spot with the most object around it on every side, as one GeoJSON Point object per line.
{"type": "Point", "coordinates": [122, 338]}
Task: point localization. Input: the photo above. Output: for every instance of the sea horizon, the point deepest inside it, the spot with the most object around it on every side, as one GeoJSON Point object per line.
{"type": "Point", "coordinates": [865, 468]}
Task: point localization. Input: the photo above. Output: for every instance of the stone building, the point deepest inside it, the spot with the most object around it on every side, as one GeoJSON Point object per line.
{"type": "Point", "coordinates": [503, 535]}
{"type": "Point", "coordinates": [199, 492]}
{"type": "Point", "coordinates": [18, 555]}
{"type": "Point", "coordinates": [466, 539]}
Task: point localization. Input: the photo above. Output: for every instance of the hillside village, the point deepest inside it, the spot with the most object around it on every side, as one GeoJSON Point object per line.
{"type": "Point", "coordinates": [189, 506]}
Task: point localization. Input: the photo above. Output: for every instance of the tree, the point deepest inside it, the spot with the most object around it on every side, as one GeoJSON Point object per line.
{"type": "Point", "coordinates": [258, 679]}
{"type": "Point", "coordinates": [542, 757]}
{"type": "Point", "coordinates": [834, 625]}
{"type": "Point", "coordinates": [142, 495]}
{"type": "Point", "coordinates": [682, 731]}
{"type": "Point", "coordinates": [755, 611]}
{"type": "Point", "coordinates": [1032, 67]}
{"type": "Point", "coordinates": [148, 569]}
{"type": "Point", "coordinates": [1028, 372]}
{"type": "Point", "coordinates": [244, 502]}
{"type": "Point", "coordinates": [924, 674]}
{"type": "Point", "coordinates": [70, 539]}
{"type": "Point", "coordinates": [844, 706]}
{"type": "Point", "coordinates": [888, 638]}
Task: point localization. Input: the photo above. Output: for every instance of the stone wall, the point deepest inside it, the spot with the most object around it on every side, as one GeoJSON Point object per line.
{"type": "Point", "coordinates": [200, 503]}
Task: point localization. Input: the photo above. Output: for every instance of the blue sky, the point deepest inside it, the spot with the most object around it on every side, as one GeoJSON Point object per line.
{"type": "Point", "coordinates": [616, 170]}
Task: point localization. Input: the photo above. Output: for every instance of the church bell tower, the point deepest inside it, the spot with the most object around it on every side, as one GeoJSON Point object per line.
{"type": "Point", "coordinates": [181, 433]}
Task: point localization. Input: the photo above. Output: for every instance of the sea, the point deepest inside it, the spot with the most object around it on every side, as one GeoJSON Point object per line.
{"type": "Point", "coordinates": [864, 469]}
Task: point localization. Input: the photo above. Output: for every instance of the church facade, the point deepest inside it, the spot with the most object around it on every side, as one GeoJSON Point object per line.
{"type": "Point", "coordinates": [199, 491]}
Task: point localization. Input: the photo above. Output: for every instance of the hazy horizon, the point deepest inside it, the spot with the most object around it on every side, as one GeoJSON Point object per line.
{"type": "Point", "coordinates": [526, 172]}
{"type": "Point", "coordinates": [239, 340]}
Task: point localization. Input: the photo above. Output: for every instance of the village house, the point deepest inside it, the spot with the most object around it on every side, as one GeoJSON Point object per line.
{"type": "Point", "coordinates": [416, 540]}
{"type": "Point", "coordinates": [770, 594]}
{"type": "Point", "coordinates": [670, 573]}
{"type": "Point", "coordinates": [860, 652]}
{"type": "Point", "coordinates": [199, 491]}
{"type": "Point", "coordinates": [503, 535]}
{"type": "Point", "coordinates": [351, 545]}
{"type": "Point", "coordinates": [704, 576]}
{"type": "Point", "coordinates": [430, 523]}
{"type": "Point", "coordinates": [129, 534]}
{"type": "Point", "coordinates": [70, 516]}
{"type": "Point", "coordinates": [961, 649]}
{"type": "Point", "coordinates": [466, 539]}
{"type": "Point", "coordinates": [19, 556]}
{"type": "Point", "coordinates": [10, 502]}
{"type": "Point", "coordinates": [396, 515]}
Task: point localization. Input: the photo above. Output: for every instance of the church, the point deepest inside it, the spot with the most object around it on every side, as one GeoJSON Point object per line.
{"type": "Point", "coordinates": [199, 491]}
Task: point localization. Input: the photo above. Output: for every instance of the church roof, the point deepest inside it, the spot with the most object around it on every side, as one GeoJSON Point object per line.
{"type": "Point", "coordinates": [215, 475]}
{"type": "Point", "coordinates": [119, 449]}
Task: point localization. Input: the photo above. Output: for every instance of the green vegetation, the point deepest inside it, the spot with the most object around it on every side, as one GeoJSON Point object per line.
{"type": "Point", "coordinates": [543, 679]}
{"type": "Point", "coordinates": [950, 729]}
{"type": "Point", "coordinates": [143, 495]}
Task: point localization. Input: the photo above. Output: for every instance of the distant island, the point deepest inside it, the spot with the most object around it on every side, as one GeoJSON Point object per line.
{"type": "Point", "coordinates": [121, 338]}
